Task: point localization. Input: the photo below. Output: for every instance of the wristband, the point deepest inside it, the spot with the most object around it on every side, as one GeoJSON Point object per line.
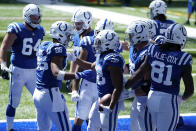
{"type": "Point", "coordinates": [61, 75]}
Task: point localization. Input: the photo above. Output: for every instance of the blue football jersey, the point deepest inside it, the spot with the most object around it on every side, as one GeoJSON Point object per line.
{"type": "Point", "coordinates": [87, 43]}
{"type": "Point", "coordinates": [104, 82]}
{"type": "Point", "coordinates": [76, 42]}
{"type": "Point", "coordinates": [136, 58]}
{"type": "Point", "coordinates": [25, 47]}
{"type": "Point", "coordinates": [166, 68]}
{"type": "Point", "coordinates": [161, 26]}
{"type": "Point", "coordinates": [44, 74]}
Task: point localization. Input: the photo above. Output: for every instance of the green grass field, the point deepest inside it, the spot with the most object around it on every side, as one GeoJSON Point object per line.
{"type": "Point", "coordinates": [13, 13]}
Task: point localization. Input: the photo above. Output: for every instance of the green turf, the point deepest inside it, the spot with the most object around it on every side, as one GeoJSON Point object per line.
{"type": "Point", "coordinates": [26, 110]}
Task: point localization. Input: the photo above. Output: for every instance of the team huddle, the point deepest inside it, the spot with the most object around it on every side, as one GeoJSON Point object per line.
{"type": "Point", "coordinates": [97, 70]}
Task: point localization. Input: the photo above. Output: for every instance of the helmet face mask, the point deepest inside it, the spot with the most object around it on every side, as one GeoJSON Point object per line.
{"type": "Point", "coordinates": [106, 40]}
{"type": "Point", "coordinates": [176, 34]}
{"type": "Point", "coordinates": [61, 31]}
{"type": "Point", "coordinates": [32, 15]}
{"type": "Point", "coordinates": [82, 20]}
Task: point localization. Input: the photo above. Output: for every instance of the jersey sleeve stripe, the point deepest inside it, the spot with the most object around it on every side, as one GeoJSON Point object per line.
{"type": "Point", "coordinates": [188, 58]}
{"type": "Point", "coordinates": [181, 60]}
{"type": "Point", "coordinates": [17, 26]}
{"type": "Point", "coordinates": [14, 26]}
{"type": "Point", "coordinates": [152, 50]}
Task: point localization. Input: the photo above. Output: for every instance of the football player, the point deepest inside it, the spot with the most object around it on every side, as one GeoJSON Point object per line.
{"type": "Point", "coordinates": [139, 35]}
{"type": "Point", "coordinates": [24, 40]}
{"type": "Point", "coordinates": [49, 102]}
{"type": "Point", "coordinates": [167, 65]}
{"type": "Point", "coordinates": [109, 64]}
{"type": "Point", "coordinates": [88, 88]}
{"type": "Point", "coordinates": [82, 20]}
{"type": "Point", "coordinates": [158, 10]}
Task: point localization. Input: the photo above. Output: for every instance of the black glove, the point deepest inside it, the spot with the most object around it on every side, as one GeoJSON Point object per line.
{"type": "Point", "coordinates": [5, 75]}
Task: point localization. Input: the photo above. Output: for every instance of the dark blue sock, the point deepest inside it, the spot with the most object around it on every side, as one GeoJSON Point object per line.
{"type": "Point", "coordinates": [76, 128]}
{"type": "Point", "coordinates": [10, 111]}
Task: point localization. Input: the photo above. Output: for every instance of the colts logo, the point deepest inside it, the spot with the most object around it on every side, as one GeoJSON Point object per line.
{"type": "Point", "coordinates": [158, 5]}
{"type": "Point", "coordinates": [62, 27]}
{"type": "Point", "coordinates": [183, 31]}
{"type": "Point", "coordinates": [87, 15]}
{"type": "Point", "coordinates": [139, 29]}
{"type": "Point", "coordinates": [109, 36]}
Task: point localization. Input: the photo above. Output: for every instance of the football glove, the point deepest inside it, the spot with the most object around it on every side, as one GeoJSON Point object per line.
{"type": "Point", "coordinates": [180, 100]}
{"type": "Point", "coordinates": [71, 57]}
{"type": "Point", "coordinates": [5, 75]}
{"type": "Point", "coordinates": [75, 96]}
{"type": "Point", "coordinates": [4, 67]}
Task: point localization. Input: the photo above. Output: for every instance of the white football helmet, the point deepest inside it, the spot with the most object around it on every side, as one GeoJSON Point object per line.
{"type": "Point", "coordinates": [83, 16]}
{"type": "Point", "coordinates": [137, 32]}
{"type": "Point", "coordinates": [106, 40]}
{"type": "Point", "coordinates": [157, 7]}
{"type": "Point", "coordinates": [176, 34]}
{"type": "Point", "coordinates": [152, 28]}
{"type": "Point", "coordinates": [29, 11]}
{"type": "Point", "coordinates": [62, 31]}
{"type": "Point", "coordinates": [103, 24]}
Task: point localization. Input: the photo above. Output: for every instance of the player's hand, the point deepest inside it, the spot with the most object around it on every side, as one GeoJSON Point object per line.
{"type": "Point", "coordinates": [104, 109]}
{"type": "Point", "coordinates": [75, 96]}
{"type": "Point", "coordinates": [71, 57]}
{"type": "Point", "coordinates": [4, 67]}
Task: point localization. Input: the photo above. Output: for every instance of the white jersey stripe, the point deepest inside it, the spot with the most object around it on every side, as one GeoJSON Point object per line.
{"type": "Point", "coordinates": [183, 56]}
{"type": "Point", "coordinates": [189, 56]}
{"type": "Point", "coordinates": [152, 50]}
{"type": "Point", "coordinates": [18, 27]}
{"type": "Point", "coordinates": [13, 25]}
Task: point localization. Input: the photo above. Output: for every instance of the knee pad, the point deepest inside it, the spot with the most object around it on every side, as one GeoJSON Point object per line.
{"type": "Point", "coordinates": [10, 111]}
{"type": "Point", "coordinates": [76, 128]}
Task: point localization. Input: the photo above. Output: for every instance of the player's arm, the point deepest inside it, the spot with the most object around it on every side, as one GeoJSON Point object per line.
{"type": "Point", "coordinates": [56, 67]}
{"type": "Point", "coordinates": [138, 75]}
{"type": "Point", "coordinates": [117, 82]}
{"type": "Point", "coordinates": [7, 42]}
{"type": "Point", "coordinates": [83, 56]}
{"type": "Point", "coordinates": [188, 82]}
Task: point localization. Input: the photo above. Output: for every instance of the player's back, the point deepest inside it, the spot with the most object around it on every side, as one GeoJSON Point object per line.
{"type": "Point", "coordinates": [166, 68]}
{"type": "Point", "coordinates": [25, 47]}
{"type": "Point", "coordinates": [104, 82]}
{"type": "Point", "coordinates": [161, 26]}
{"type": "Point", "coordinates": [47, 51]}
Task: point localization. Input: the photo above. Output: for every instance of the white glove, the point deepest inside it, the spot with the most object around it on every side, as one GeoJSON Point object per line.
{"type": "Point", "coordinates": [126, 94]}
{"type": "Point", "coordinates": [104, 109]}
{"type": "Point", "coordinates": [71, 57]}
{"type": "Point", "coordinates": [4, 67]}
{"type": "Point", "coordinates": [75, 96]}
{"type": "Point", "coordinates": [180, 100]}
